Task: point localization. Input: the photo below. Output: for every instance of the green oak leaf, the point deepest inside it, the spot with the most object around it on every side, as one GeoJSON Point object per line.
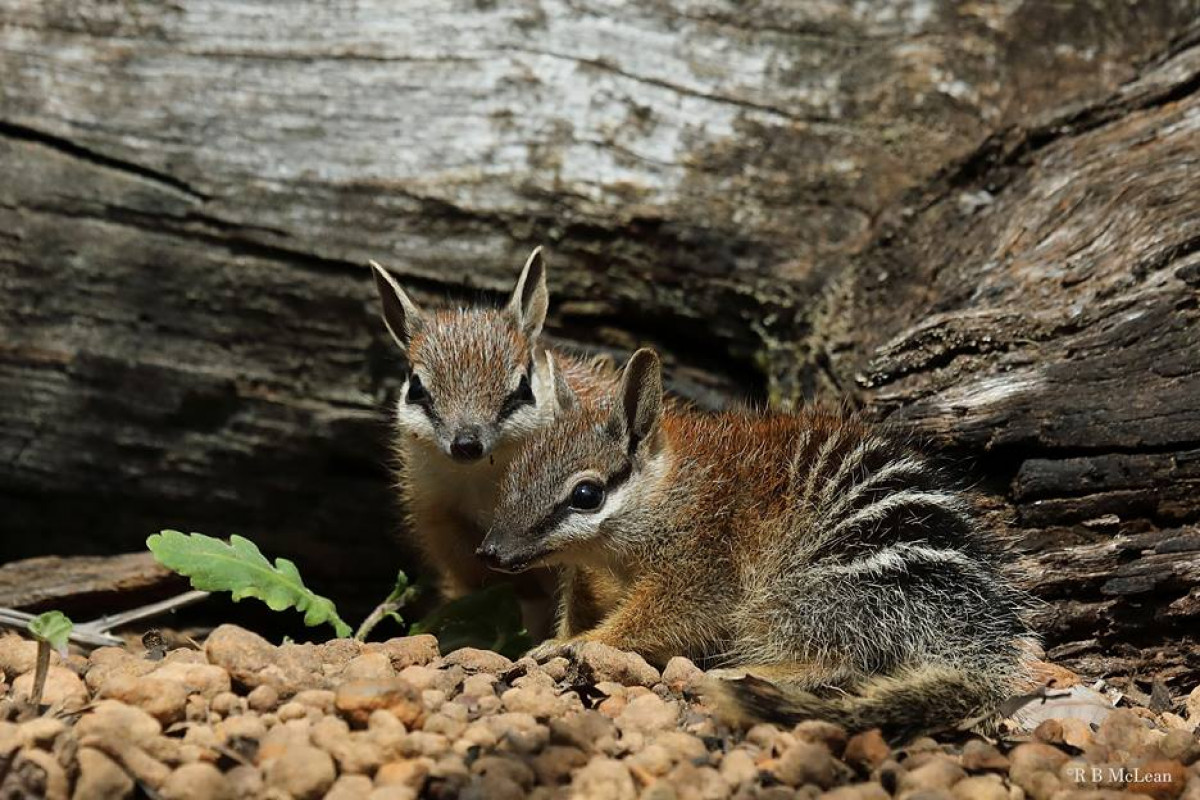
{"type": "Point", "coordinates": [240, 567]}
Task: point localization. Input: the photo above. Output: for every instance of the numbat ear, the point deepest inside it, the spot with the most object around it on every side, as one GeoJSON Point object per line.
{"type": "Point", "coordinates": [400, 313]}
{"type": "Point", "coordinates": [564, 395]}
{"type": "Point", "coordinates": [530, 299]}
{"type": "Point", "coordinates": [639, 403]}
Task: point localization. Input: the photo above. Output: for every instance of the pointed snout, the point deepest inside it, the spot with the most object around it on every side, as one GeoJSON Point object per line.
{"type": "Point", "coordinates": [488, 553]}
{"type": "Point", "coordinates": [497, 557]}
{"type": "Point", "coordinates": [467, 444]}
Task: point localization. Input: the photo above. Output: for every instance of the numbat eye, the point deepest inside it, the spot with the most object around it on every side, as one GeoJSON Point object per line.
{"type": "Point", "coordinates": [587, 496]}
{"type": "Point", "coordinates": [417, 393]}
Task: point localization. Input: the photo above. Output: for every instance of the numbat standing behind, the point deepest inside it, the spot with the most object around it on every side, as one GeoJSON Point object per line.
{"type": "Point", "coordinates": [477, 384]}
{"type": "Point", "coordinates": [826, 561]}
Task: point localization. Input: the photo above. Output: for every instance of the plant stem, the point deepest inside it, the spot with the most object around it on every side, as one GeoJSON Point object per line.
{"type": "Point", "coordinates": [391, 604]}
{"type": "Point", "coordinates": [40, 672]}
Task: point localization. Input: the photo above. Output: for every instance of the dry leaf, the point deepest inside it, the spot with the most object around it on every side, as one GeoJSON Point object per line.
{"type": "Point", "coordinates": [1078, 702]}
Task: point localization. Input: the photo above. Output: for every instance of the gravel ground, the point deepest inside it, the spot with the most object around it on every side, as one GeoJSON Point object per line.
{"type": "Point", "coordinates": [397, 720]}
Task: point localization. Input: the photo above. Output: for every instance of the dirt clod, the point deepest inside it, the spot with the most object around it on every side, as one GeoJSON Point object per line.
{"type": "Point", "coordinates": [357, 699]}
{"type": "Point", "coordinates": [303, 771]}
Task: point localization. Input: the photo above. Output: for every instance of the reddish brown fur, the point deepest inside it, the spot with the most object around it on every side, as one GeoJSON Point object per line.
{"type": "Point", "coordinates": [807, 547]}
{"type": "Point", "coordinates": [447, 541]}
{"type": "Point", "coordinates": [477, 385]}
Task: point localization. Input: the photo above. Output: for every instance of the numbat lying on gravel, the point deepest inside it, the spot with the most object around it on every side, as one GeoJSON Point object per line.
{"type": "Point", "coordinates": [803, 549]}
{"type": "Point", "coordinates": [477, 384]}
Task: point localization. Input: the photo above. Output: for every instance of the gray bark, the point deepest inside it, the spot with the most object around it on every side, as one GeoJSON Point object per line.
{"type": "Point", "coordinates": [971, 219]}
{"type": "Point", "coordinates": [1036, 310]}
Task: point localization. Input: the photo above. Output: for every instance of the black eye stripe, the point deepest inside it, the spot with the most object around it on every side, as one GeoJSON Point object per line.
{"type": "Point", "coordinates": [420, 397]}
{"type": "Point", "coordinates": [521, 396]}
{"type": "Point", "coordinates": [548, 522]}
{"type": "Point", "coordinates": [417, 392]}
{"type": "Point", "coordinates": [619, 477]}
{"type": "Point", "coordinates": [563, 508]}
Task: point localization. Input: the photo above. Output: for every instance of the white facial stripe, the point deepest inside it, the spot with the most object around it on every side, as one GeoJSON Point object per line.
{"type": "Point", "coordinates": [580, 526]}
{"type": "Point", "coordinates": [526, 421]}
{"type": "Point", "coordinates": [531, 418]}
{"type": "Point", "coordinates": [613, 503]}
{"type": "Point", "coordinates": [411, 419]}
{"type": "Point", "coordinates": [575, 528]}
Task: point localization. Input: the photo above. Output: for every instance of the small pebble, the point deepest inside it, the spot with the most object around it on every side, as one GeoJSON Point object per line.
{"type": "Point", "coordinates": [356, 700]}
{"type": "Point", "coordinates": [738, 768]}
{"type": "Point", "coordinates": [303, 771]}
{"type": "Point", "coordinates": [681, 675]}
{"type": "Point", "coordinates": [406, 651]}
{"type": "Point", "coordinates": [474, 660]}
{"type": "Point", "coordinates": [350, 787]}
{"type": "Point", "coordinates": [604, 779]}
{"type": "Point", "coordinates": [226, 704]}
{"type": "Point", "coordinates": [981, 787]}
{"type": "Point", "coordinates": [164, 700]}
{"type": "Point", "coordinates": [263, 698]}
{"type": "Point", "coordinates": [368, 666]}
{"type": "Point", "coordinates": [647, 714]}
{"type": "Point", "coordinates": [63, 689]}
{"type": "Point", "coordinates": [197, 781]}
{"type": "Point", "coordinates": [41, 732]}
{"type": "Point", "coordinates": [396, 721]}
{"type": "Point", "coordinates": [101, 778]}
{"type": "Point", "coordinates": [597, 662]}
{"type": "Point", "coordinates": [804, 762]}
{"type": "Point", "coordinates": [410, 772]}
{"type": "Point", "coordinates": [979, 756]}
{"type": "Point", "coordinates": [322, 700]}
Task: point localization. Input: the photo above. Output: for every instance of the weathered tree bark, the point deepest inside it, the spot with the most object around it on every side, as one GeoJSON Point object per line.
{"type": "Point", "coordinates": [973, 219]}
{"type": "Point", "coordinates": [1036, 308]}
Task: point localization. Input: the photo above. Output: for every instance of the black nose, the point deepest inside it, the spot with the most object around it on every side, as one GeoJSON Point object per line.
{"type": "Point", "coordinates": [487, 553]}
{"type": "Point", "coordinates": [466, 446]}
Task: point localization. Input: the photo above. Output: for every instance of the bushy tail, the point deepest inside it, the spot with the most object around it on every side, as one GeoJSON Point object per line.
{"type": "Point", "coordinates": [903, 705]}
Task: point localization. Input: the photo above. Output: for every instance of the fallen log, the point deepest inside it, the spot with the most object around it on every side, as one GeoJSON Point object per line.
{"type": "Point", "coordinates": [973, 221]}
{"type": "Point", "coordinates": [1036, 311]}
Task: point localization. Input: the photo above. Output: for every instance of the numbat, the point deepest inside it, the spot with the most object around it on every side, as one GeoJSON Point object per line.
{"type": "Point", "coordinates": [827, 565]}
{"type": "Point", "coordinates": [477, 384]}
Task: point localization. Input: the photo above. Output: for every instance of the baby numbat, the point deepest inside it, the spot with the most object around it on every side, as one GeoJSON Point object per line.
{"type": "Point", "coordinates": [828, 566]}
{"type": "Point", "coordinates": [477, 383]}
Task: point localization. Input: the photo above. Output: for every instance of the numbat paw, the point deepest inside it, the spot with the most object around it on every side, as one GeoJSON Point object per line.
{"type": "Point", "coordinates": [553, 648]}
